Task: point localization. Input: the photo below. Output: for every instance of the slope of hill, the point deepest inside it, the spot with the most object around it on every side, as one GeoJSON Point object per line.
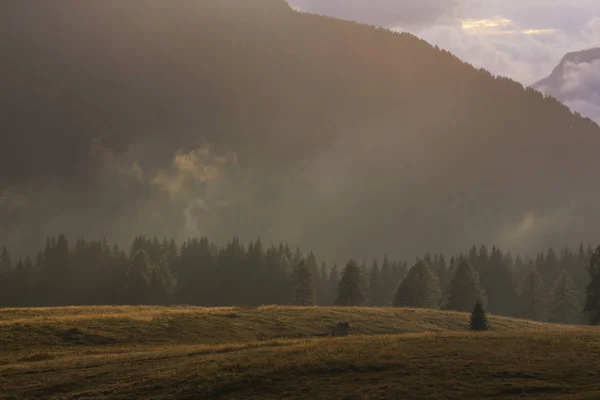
{"type": "Point", "coordinates": [34, 329]}
{"type": "Point", "coordinates": [576, 82]}
{"type": "Point", "coordinates": [335, 136]}
{"type": "Point", "coordinates": [190, 353]}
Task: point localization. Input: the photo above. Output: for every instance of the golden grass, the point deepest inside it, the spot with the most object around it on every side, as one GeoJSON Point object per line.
{"type": "Point", "coordinates": [272, 353]}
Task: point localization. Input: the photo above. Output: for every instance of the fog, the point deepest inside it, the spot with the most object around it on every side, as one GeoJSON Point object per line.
{"type": "Point", "coordinates": [169, 124]}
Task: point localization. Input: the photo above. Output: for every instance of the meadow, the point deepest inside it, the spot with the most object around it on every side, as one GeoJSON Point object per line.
{"type": "Point", "coordinates": [286, 353]}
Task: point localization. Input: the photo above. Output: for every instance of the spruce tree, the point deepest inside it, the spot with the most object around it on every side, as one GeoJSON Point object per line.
{"type": "Point", "coordinates": [351, 289]}
{"type": "Point", "coordinates": [479, 320]}
{"type": "Point", "coordinates": [464, 289]}
{"type": "Point", "coordinates": [419, 288]}
{"type": "Point", "coordinates": [303, 287]}
{"type": "Point", "coordinates": [332, 285]}
{"type": "Point", "coordinates": [564, 306]}
{"type": "Point", "coordinates": [592, 303]}
{"type": "Point", "coordinates": [502, 295]}
{"type": "Point", "coordinates": [374, 285]}
{"type": "Point", "coordinates": [6, 279]}
{"type": "Point", "coordinates": [533, 296]}
{"type": "Point", "coordinates": [139, 275]}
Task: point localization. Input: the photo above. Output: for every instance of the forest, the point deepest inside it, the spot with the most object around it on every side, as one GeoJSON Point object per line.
{"type": "Point", "coordinates": [333, 126]}
{"type": "Point", "coordinates": [553, 286]}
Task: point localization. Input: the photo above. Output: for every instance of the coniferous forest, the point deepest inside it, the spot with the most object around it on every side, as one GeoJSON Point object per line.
{"type": "Point", "coordinates": [549, 286]}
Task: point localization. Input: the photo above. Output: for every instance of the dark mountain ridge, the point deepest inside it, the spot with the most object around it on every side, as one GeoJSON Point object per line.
{"type": "Point", "coordinates": [348, 139]}
{"type": "Point", "coordinates": [555, 79]}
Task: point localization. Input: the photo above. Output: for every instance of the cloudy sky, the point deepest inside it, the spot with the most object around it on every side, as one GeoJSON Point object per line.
{"type": "Point", "coordinates": [523, 40]}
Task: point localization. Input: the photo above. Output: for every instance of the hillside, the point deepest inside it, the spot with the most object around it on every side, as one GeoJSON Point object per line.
{"type": "Point", "coordinates": [268, 353]}
{"type": "Point", "coordinates": [334, 136]}
{"type": "Point", "coordinates": [46, 328]}
{"type": "Point", "coordinates": [576, 82]}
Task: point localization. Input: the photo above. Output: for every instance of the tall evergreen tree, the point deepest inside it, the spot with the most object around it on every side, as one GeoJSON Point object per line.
{"type": "Point", "coordinates": [374, 285]}
{"type": "Point", "coordinates": [332, 285]}
{"type": "Point", "coordinates": [303, 286]}
{"type": "Point", "coordinates": [386, 291]}
{"type": "Point", "coordinates": [139, 276]}
{"type": "Point", "coordinates": [7, 293]}
{"type": "Point", "coordinates": [501, 291]}
{"type": "Point", "coordinates": [533, 295]}
{"type": "Point", "coordinates": [592, 303]}
{"type": "Point", "coordinates": [479, 320]}
{"type": "Point", "coordinates": [563, 304]}
{"type": "Point", "coordinates": [351, 289]}
{"type": "Point", "coordinates": [419, 289]}
{"type": "Point", "coordinates": [464, 289]}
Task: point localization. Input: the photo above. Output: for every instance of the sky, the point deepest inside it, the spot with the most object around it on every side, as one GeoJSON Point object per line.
{"type": "Point", "coordinates": [523, 40]}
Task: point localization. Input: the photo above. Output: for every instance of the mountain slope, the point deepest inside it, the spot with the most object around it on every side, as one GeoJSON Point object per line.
{"type": "Point", "coordinates": [576, 82]}
{"type": "Point", "coordinates": [335, 136]}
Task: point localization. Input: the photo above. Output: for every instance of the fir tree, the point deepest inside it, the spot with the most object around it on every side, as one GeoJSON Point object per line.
{"type": "Point", "coordinates": [303, 287]}
{"type": "Point", "coordinates": [479, 320]}
{"type": "Point", "coordinates": [464, 289]}
{"type": "Point", "coordinates": [351, 289]}
{"type": "Point", "coordinates": [139, 275]}
{"type": "Point", "coordinates": [7, 292]}
{"type": "Point", "coordinates": [419, 289]}
{"type": "Point", "coordinates": [564, 306]}
{"type": "Point", "coordinates": [332, 285]}
{"type": "Point", "coordinates": [592, 303]}
{"type": "Point", "coordinates": [533, 296]}
{"type": "Point", "coordinates": [502, 295]}
{"type": "Point", "coordinates": [374, 285]}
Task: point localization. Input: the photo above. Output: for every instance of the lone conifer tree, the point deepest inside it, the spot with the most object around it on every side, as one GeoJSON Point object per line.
{"type": "Point", "coordinates": [479, 320]}
{"type": "Point", "coordinates": [351, 288]}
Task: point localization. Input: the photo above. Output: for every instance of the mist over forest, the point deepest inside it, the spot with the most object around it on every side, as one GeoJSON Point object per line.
{"type": "Point", "coordinates": [229, 118]}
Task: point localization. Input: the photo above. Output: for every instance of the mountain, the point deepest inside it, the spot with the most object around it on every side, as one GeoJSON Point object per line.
{"type": "Point", "coordinates": [576, 82]}
{"type": "Point", "coordinates": [244, 117]}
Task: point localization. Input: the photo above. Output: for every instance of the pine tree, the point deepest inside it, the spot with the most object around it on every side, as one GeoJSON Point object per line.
{"type": "Point", "coordinates": [502, 295]}
{"type": "Point", "coordinates": [479, 320]}
{"type": "Point", "coordinates": [419, 289]}
{"type": "Point", "coordinates": [533, 296]}
{"type": "Point", "coordinates": [564, 306]}
{"type": "Point", "coordinates": [387, 283]}
{"type": "Point", "coordinates": [303, 286]}
{"type": "Point", "coordinates": [592, 303]}
{"type": "Point", "coordinates": [374, 285]}
{"type": "Point", "coordinates": [464, 289]}
{"type": "Point", "coordinates": [351, 289]}
{"type": "Point", "coordinates": [139, 275]}
{"type": "Point", "coordinates": [332, 285]}
{"type": "Point", "coordinates": [6, 279]}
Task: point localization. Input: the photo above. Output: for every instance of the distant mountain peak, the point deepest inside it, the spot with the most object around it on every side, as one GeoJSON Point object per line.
{"type": "Point", "coordinates": [575, 57]}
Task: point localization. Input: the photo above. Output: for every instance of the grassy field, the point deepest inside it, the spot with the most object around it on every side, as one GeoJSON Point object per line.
{"type": "Point", "coordinates": [279, 353]}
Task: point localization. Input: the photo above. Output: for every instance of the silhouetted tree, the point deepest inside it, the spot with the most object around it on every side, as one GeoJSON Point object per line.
{"type": "Point", "coordinates": [479, 320]}
{"type": "Point", "coordinates": [351, 289]}
{"type": "Point", "coordinates": [419, 289]}
{"type": "Point", "coordinates": [563, 305]}
{"type": "Point", "coordinates": [464, 289]}
{"type": "Point", "coordinates": [592, 304]}
{"type": "Point", "coordinates": [533, 296]}
{"type": "Point", "coordinates": [303, 287]}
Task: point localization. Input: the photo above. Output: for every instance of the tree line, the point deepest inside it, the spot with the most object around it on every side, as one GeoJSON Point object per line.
{"type": "Point", "coordinates": [547, 287]}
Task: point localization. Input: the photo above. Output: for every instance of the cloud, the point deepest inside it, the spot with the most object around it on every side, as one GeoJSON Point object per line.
{"type": "Point", "coordinates": [197, 167]}
{"type": "Point", "coordinates": [381, 12]}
